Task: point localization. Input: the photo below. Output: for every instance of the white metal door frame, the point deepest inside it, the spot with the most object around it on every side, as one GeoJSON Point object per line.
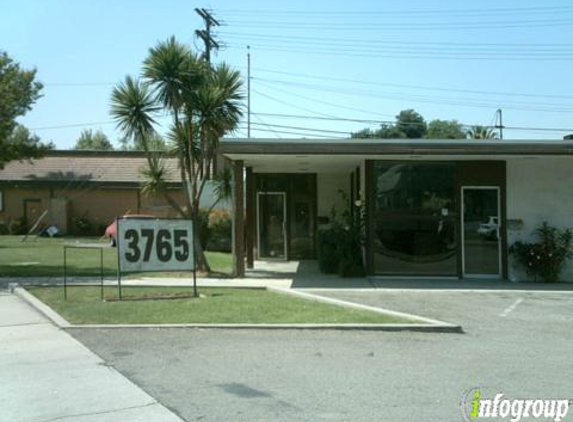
{"type": "Point", "coordinates": [283, 194]}
{"type": "Point", "coordinates": [499, 228]}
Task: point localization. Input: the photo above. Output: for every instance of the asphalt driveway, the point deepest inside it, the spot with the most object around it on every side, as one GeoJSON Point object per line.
{"type": "Point", "coordinates": [516, 343]}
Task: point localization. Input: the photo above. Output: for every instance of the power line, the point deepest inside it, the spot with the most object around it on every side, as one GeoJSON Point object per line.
{"type": "Point", "coordinates": [328, 88]}
{"type": "Point", "coordinates": [398, 46]}
{"type": "Point", "coordinates": [421, 99]}
{"type": "Point", "coordinates": [72, 84]}
{"type": "Point", "coordinates": [295, 106]}
{"type": "Point", "coordinates": [304, 128]}
{"type": "Point", "coordinates": [341, 119]}
{"type": "Point", "coordinates": [354, 81]}
{"type": "Point", "coordinates": [397, 55]}
{"type": "Point", "coordinates": [336, 119]}
{"type": "Point", "coordinates": [296, 133]}
{"type": "Point", "coordinates": [411, 26]}
{"type": "Point", "coordinates": [313, 100]}
{"type": "Point", "coordinates": [385, 41]}
{"type": "Point", "coordinates": [262, 122]}
{"type": "Point", "coordinates": [72, 125]}
{"type": "Point", "coordinates": [496, 11]}
{"type": "Point", "coordinates": [370, 83]}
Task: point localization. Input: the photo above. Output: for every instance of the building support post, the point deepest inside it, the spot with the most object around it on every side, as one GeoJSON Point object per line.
{"type": "Point", "coordinates": [238, 221]}
{"type": "Point", "coordinates": [250, 217]}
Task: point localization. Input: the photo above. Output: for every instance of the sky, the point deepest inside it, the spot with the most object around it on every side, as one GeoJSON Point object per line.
{"type": "Point", "coordinates": [318, 68]}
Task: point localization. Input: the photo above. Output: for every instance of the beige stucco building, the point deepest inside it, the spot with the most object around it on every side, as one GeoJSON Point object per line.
{"type": "Point", "coordinates": [97, 185]}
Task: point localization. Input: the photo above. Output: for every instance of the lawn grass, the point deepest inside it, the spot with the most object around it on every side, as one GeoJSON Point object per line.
{"type": "Point", "coordinates": [44, 257]}
{"type": "Point", "coordinates": [219, 305]}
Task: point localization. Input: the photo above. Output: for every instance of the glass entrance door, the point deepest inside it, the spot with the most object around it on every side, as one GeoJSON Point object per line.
{"type": "Point", "coordinates": [481, 231]}
{"type": "Point", "coordinates": [271, 225]}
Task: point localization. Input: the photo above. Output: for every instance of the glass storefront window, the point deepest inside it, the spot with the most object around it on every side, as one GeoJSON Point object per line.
{"type": "Point", "coordinates": [414, 219]}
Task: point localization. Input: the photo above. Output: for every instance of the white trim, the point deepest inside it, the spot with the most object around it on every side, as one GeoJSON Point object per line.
{"type": "Point", "coordinates": [283, 194]}
{"type": "Point", "coordinates": [462, 228]}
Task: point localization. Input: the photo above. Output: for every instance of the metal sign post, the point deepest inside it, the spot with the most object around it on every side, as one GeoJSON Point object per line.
{"type": "Point", "coordinates": [83, 246]}
{"type": "Point", "coordinates": [148, 245]}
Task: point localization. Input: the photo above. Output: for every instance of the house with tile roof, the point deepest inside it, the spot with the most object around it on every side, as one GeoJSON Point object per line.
{"type": "Point", "coordinates": [97, 185]}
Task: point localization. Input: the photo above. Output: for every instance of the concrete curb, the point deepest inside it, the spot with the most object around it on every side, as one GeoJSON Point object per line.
{"type": "Point", "coordinates": [430, 290]}
{"type": "Point", "coordinates": [336, 327]}
{"type": "Point", "coordinates": [424, 325]}
{"type": "Point", "coordinates": [346, 304]}
{"type": "Point", "coordinates": [40, 306]}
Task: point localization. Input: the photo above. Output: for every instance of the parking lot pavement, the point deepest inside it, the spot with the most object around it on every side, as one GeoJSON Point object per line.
{"type": "Point", "coordinates": [477, 311]}
{"type": "Point", "coordinates": [213, 375]}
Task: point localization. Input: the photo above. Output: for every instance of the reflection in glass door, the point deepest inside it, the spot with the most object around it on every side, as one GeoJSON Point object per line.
{"type": "Point", "coordinates": [271, 225]}
{"type": "Point", "coordinates": [481, 231]}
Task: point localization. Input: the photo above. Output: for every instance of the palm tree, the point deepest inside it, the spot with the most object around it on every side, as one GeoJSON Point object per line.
{"type": "Point", "coordinates": [205, 103]}
{"type": "Point", "coordinates": [481, 132]}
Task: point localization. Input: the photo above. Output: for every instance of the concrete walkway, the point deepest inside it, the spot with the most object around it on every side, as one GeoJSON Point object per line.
{"type": "Point", "coordinates": [46, 375]}
{"type": "Point", "coordinates": [305, 274]}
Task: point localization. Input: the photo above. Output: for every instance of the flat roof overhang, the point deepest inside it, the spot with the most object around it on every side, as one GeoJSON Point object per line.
{"type": "Point", "coordinates": [309, 155]}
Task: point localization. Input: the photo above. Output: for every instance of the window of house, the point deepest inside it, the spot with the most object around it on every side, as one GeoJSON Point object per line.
{"type": "Point", "coordinates": [414, 218]}
{"type": "Point", "coordinates": [1, 200]}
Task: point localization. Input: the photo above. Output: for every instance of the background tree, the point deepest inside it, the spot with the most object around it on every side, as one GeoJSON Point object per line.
{"type": "Point", "coordinates": [205, 104]}
{"type": "Point", "coordinates": [18, 92]}
{"type": "Point", "coordinates": [155, 142]}
{"type": "Point", "coordinates": [445, 129]}
{"type": "Point", "coordinates": [386, 131]}
{"type": "Point", "coordinates": [481, 132]}
{"type": "Point", "coordinates": [411, 123]}
{"type": "Point", "coordinates": [94, 141]}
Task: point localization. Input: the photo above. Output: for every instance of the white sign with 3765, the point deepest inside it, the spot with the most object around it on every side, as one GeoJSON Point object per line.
{"type": "Point", "coordinates": [155, 244]}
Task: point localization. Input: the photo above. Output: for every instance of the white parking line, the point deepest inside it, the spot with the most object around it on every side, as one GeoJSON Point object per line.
{"type": "Point", "coordinates": [512, 307]}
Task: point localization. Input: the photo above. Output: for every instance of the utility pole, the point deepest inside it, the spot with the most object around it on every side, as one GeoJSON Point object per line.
{"type": "Point", "coordinates": [209, 41]}
{"type": "Point", "coordinates": [499, 122]}
{"type": "Point", "coordinates": [205, 34]}
{"type": "Point", "coordinates": [249, 91]}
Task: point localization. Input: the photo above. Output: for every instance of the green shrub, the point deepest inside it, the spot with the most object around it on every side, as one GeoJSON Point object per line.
{"type": "Point", "coordinates": [544, 259]}
{"type": "Point", "coordinates": [327, 250]}
{"type": "Point", "coordinates": [340, 246]}
{"type": "Point", "coordinates": [84, 226]}
{"type": "Point", "coordinates": [221, 226]}
{"type": "Point", "coordinates": [17, 226]}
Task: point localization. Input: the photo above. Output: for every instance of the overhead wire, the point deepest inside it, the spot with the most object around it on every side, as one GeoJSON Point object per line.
{"type": "Point", "coordinates": [554, 108]}
{"type": "Point", "coordinates": [408, 86]}
{"type": "Point", "coordinates": [409, 12]}
{"type": "Point", "coordinates": [398, 55]}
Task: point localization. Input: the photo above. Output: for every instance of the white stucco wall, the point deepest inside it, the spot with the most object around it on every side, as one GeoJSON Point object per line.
{"type": "Point", "coordinates": [328, 196]}
{"type": "Point", "coordinates": [539, 190]}
{"type": "Point", "coordinates": [208, 198]}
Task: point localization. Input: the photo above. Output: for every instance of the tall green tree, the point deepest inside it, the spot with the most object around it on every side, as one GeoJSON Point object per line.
{"type": "Point", "coordinates": [94, 141]}
{"type": "Point", "coordinates": [411, 123]}
{"type": "Point", "coordinates": [445, 129]}
{"type": "Point", "coordinates": [205, 103]}
{"type": "Point", "coordinates": [481, 132]}
{"type": "Point", "coordinates": [386, 131]}
{"type": "Point", "coordinates": [19, 90]}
